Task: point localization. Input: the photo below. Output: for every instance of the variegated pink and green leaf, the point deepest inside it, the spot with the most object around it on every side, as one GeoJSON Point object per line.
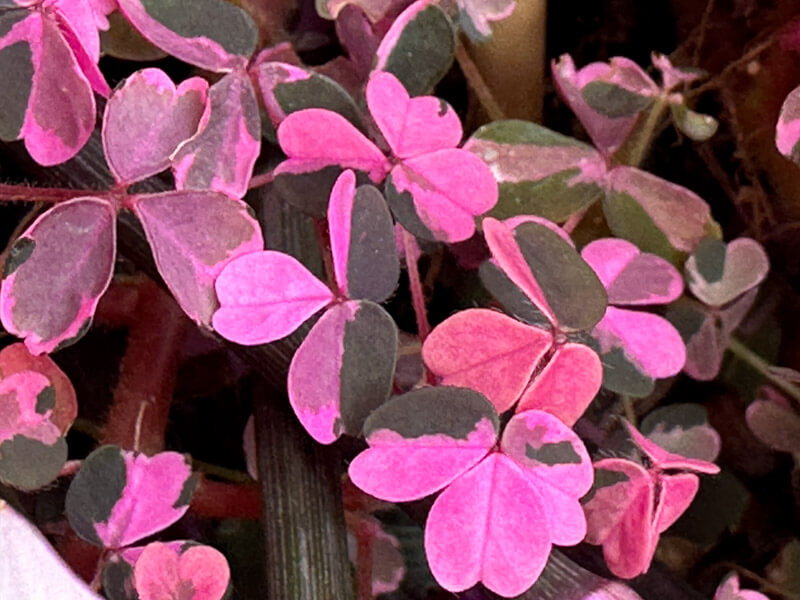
{"type": "Point", "coordinates": [538, 171]}
{"type": "Point", "coordinates": [119, 497]}
{"type": "Point", "coordinates": [718, 273]}
{"type": "Point", "coordinates": [265, 296]}
{"type": "Point", "coordinates": [683, 429]}
{"type": "Point", "coordinates": [476, 16]}
{"type": "Point", "coordinates": [196, 572]}
{"type": "Point", "coordinates": [374, 9]}
{"type": "Point", "coordinates": [211, 34]}
{"type": "Point", "coordinates": [343, 370]}
{"type": "Point", "coordinates": [56, 271]}
{"type": "Point", "coordinates": [150, 109]}
{"type": "Point", "coordinates": [423, 440]}
{"type": "Point", "coordinates": [193, 235]}
{"type": "Point", "coordinates": [663, 460]}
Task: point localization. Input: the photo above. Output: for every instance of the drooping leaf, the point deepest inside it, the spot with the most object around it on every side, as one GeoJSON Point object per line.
{"type": "Point", "coordinates": [119, 497]}
{"type": "Point", "coordinates": [631, 277]}
{"type": "Point", "coordinates": [419, 47]}
{"type": "Point", "coordinates": [729, 589]}
{"type": "Point", "coordinates": [683, 429]}
{"type": "Point", "coordinates": [695, 126]}
{"type": "Point", "coordinates": [717, 273]}
{"type": "Point", "coordinates": [220, 157]}
{"type": "Point", "coordinates": [265, 296]}
{"type": "Point", "coordinates": [664, 460]}
{"type": "Point", "coordinates": [363, 248]}
{"type": "Point", "coordinates": [193, 236]}
{"type": "Point", "coordinates": [787, 131]}
{"type": "Point", "coordinates": [160, 573]}
{"type": "Point", "coordinates": [211, 34]}
{"type": "Point", "coordinates": [343, 370]}
{"type": "Point", "coordinates": [32, 569]}
{"type": "Point", "coordinates": [421, 441]}
{"type": "Point", "coordinates": [566, 385]}
{"type": "Point", "coordinates": [549, 271]}
{"type": "Point", "coordinates": [159, 116]}
{"type": "Point", "coordinates": [487, 351]}
{"type": "Point", "coordinates": [476, 16]}
{"type": "Point", "coordinates": [56, 272]}
{"type": "Point", "coordinates": [539, 172]}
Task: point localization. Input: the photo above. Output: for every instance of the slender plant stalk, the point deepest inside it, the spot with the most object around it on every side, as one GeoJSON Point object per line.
{"type": "Point", "coordinates": [648, 130]}
{"type": "Point", "coordinates": [478, 84]}
{"type": "Point", "coordinates": [414, 282]}
{"type": "Point", "coordinates": [763, 367]}
{"type": "Point", "coordinates": [27, 193]}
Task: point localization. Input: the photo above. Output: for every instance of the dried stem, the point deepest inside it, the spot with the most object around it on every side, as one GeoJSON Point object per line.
{"type": "Point", "coordinates": [478, 84]}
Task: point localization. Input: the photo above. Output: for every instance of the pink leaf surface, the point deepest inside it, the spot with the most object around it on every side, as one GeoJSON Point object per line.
{"type": "Point", "coordinates": [745, 266]}
{"type": "Point", "coordinates": [566, 385]}
{"type": "Point", "coordinates": [81, 19]}
{"type": "Point", "coordinates": [198, 573]}
{"type": "Point", "coordinates": [150, 109]}
{"type": "Point", "coordinates": [486, 351]}
{"type": "Point", "coordinates": [22, 411]}
{"type": "Point", "coordinates": [663, 460]}
{"type": "Point", "coordinates": [671, 76]}
{"type": "Point", "coordinates": [221, 155]}
{"type": "Point", "coordinates": [66, 256]}
{"type": "Point", "coordinates": [678, 491]}
{"type": "Point", "coordinates": [632, 277]}
{"type": "Point", "coordinates": [32, 569]}
{"type": "Point", "coordinates": [421, 441]}
{"type": "Point", "coordinates": [265, 296]}
{"type": "Point", "coordinates": [193, 236]}
{"type": "Point", "coordinates": [316, 138]}
{"type": "Point", "coordinates": [85, 61]}
{"type": "Point", "coordinates": [340, 216]}
{"type": "Point", "coordinates": [787, 131]}
{"type": "Point", "coordinates": [634, 332]}
{"type": "Point", "coordinates": [683, 429]}
{"type": "Point", "coordinates": [482, 12]}
{"type": "Point", "coordinates": [729, 589]}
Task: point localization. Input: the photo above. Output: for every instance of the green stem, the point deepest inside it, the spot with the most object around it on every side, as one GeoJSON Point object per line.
{"type": "Point", "coordinates": [648, 130]}
{"type": "Point", "coordinates": [763, 367]}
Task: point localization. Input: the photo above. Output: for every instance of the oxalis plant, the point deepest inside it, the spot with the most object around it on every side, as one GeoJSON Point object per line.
{"type": "Point", "coordinates": [285, 229]}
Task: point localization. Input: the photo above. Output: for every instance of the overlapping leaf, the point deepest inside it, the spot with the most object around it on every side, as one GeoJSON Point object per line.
{"type": "Point", "coordinates": [195, 573]}
{"type": "Point", "coordinates": [683, 429]}
{"type": "Point", "coordinates": [729, 589]}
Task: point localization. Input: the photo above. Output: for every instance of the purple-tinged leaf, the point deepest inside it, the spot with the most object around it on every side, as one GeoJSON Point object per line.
{"type": "Point", "coordinates": [775, 423]}
{"type": "Point", "coordinates": [16, 358]}
{"type": "Point", "coordinates": [566, 385]}
{"type": "Point", "coordinates": [656, 215]}
{"type": "Point", "coordinates": [120, 497]}
{"type": "Point", "coordinates": [683, 429]}
{"type": "Point", "coordinates": [663, 460]}
{"type": "Point", "coordinates": [421, 441]}
{"type": "Point", "coordinates": [150, 109]}
{"type": "Point", "coordinates": [343, 370]}
{"type": "Point", "coordinates": [476, 16]}
{"type": "Point", "coordinates": [419, 47]}
{"type": "Point", "coordinates": [56, 272]}
{"type": "Point", "coordinates": [16, 63]}
{"type": "Point", "coordinates": [717, 273]}
{"type": "Point", "coordinates": [631, 277]}
{"type": "Point", "coordinates": [486, 351]}
{"type": "Point", "coordinates": [649, 341]}
{"type": "Point", "coordinates": [211, 34]}
{"type": "Point", "coordinates": [220, 157]}
{"type": "Point", "coordinates": [193, 236]}
{"type": "Point", "coordinates": [32, 450]}
{"type": "Point", "coordinates": [265, 296]}
{"type": "Point", "coordinates": [608, 133]}
{"type": "Point", "coordinates": [80, 17]}
{"type": "Point", "coordinates": [549, 271]}
{"type": "Point", "coordinates": [316, 138]}
{"type": "Point", "coordinates": [539, 172]}
{"type": "Point", "coordinates": [787, 131]}
{"type": "Point", "coordinates": [32, 569]}
{"type": "Point", "coordinates": [362, 241]}
{"type": "Point", "coordinates": [198, 573]}
{"type": "Point", "coordinates": [83, 56]}
{"type": "Point", "coordinates": [729, 590]}
{"type": "Point", "coordinates": [287, 88]}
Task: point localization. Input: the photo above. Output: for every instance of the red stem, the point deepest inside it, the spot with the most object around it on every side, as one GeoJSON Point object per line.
{"type": "Point", "coordinates": [261, 179]}
{"type": "Point", "coordinates": [415, 283]}
{"type": "Point", "coordinates": [26, 193]}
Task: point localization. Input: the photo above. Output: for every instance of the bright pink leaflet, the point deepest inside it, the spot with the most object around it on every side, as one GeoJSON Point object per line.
{"type": "Point", "coordinates": [634, 278]}
{"type": "Point", "coordinates": [632, 505]}
{"type": "Point", "coordinates": [729, 590]}
{"type": "Point", "coordinates": [49, 57]}
{"type": "Point", "coordinates": [500, 512]}
{"type": "Point", "coordinates": [446, 186]}
{"type": "Point", "coordinates": [197, 573]}
{"type": "Point", "coordinates": [787, 131]}
{"type": "Point", "coordinates": [20, 412]}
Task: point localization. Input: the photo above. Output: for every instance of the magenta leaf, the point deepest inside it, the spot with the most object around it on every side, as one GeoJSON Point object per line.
{"type": "Point", "coordinates": [119, 497]}
{"type": "Point", "coordinates": [539, 171]}
{"type": "Point", "coordinates": [486, 351]}
{"type": "Point", "coordinates": [632, 277]}
{"type": "Point", "coordinates": [421, 441]}
{"type": "Point", "coordinates": [476, 16]}
{"type": "Point", "coordinates": [150, 109]}
{"type": "Point", "coordinates": [729, 590]}
{"type": "Point", "coordinates": [32, 568]}
{"type": "Point", "coordinates": [787, 131]}
{"type": "Point", "coordinates": [717, 274]}
{"type": "Point", "coordinates": [211, 34]}
{"type": "Point", "coordinates": [68, 13]}
{"type": "Point", "coordinates": [683, 429]}
{"type": "Point", "coordinates": [265, 296]}
{"type": "Point", "coordinates": [663, 460]}
{"type": "Point", "coordinates": [566, 385]}
{"type": "Point", "coordinates": [196, 573]}
{"type": "Point", "coordinates": [343, 370]}
{"type": "Point", "coordinates": [362, 241]}
{"type": "Point", "coordinates": [189, 257]}
{"type": "Point", "coordinates": [220, 157]}
{"type": "Point", "coordinates": [549, 271]}
{"type": "Point", "coordinates": [656, 215]}
{"type": "Point", "coordinates": [56, 272]}
{"type": "Point", "coordinates": [32, 450]}
{"type": "Point", "coordinates": [419, 47]}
